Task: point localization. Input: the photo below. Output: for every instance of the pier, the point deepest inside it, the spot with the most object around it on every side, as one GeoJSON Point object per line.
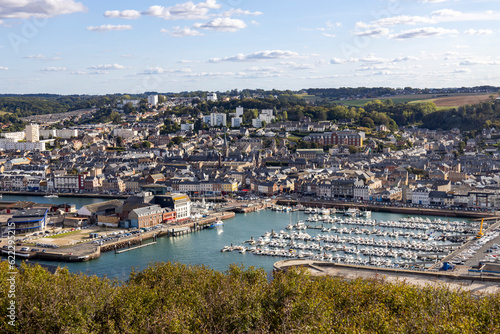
{"type": "Point", "coordinates": [136, 247]}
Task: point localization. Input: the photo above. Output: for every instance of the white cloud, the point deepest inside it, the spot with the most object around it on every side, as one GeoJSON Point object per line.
{"type": "Point", "coordinates": [403, 59]}
{"type": "Point", "coordinates": [24, 9]}
{"type": "Point", "coordinates": [375, 32]}
{"type": "Point", "coordinates": [261, 55]}
{"type": "Point", "coordinates": [107, 67]}
{"type": "Point", "coordinates": [53, 69]}
{"type": "Point", "coordinates": [2, 68]}
{"type": "Point", "coordinates": [186, 61]}
{"type": "Point", "coordinates": [79, 73]}
{"type": "Point", "coordinates": [402, 20]}
{"type": "Point", "coordinates": [160, 70]}
{"type": "Point", "coordinates": [438, 16]}
{"type": "Point", "coordinates": [464, 70]}
{"type": "Point", "coordinates": [211, 74]}
{"type": "Point", "coordinates": [424, 32]}
{"type": "Point", "coordinates": [182, 32]}
{"type": "Point", "coordinates": [129, 14]}
{"type": "Point", "coordinates": [185, 11]}
{"type": "Point", "coordinates": [38, 56]}
{"type": "Point", "coordinates": [295, 66]}
{"type": "Point", "coordinates": [329, 35]}
{"type": "Point", "coordinates": [336, 61]}
{"type": "Point", "coordinates": [110, 27]}
{"type": "Point", "coordinates": [477, 61]}
{"type": "Point", "coordinates": [237, 11]}
{"type": "Point", "coordinates": [222, 24]}
{"type": "Point", "coordinates": [478, 32]}
{"type": "Point", "coordinates": [372, 59]}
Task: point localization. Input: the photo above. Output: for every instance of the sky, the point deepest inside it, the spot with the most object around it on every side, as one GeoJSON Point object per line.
{"type": "Point", "coordinates": [124, 46]}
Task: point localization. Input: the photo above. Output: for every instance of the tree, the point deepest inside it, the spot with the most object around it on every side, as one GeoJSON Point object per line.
{"type": "Point", "coordinates": [285, 115]}
{"type": "Point", "coordinates": [177, 140]}
{"type": "Point", "coordinates": [146, 144]}
{"type": "Point", "coordinates": [119, 141]}
{"type": "Point", "coordinates": [367, 122]}
{"type": "Point", "coordinates": [353, 149]}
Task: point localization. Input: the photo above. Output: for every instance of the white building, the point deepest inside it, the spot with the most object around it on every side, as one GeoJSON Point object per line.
{"type": "Point", "coordinates": [17, 136]}
{"type": "Point", "coordinates": [46, 134]}
{"type": "Point", "coordinates": [67, 133]}
{"type": "Point", "coordinates": [239, 112]}
{"type": "Point", "coordinates": [32, 133]}
{"type": "Point", "coordinates": [256, 123]}
{"type": "Point", "coordinates": [122, 103]}
{"type": "Point", "coordinates": [212, 97]}
{"type": "Point", "coordinates": [187, 127]}
{"type": "Point", "coordinates": [124, 133]}
{"type": "Point", "coordinates": [217, 119]}
{"type": "Point", "coordinates": [420, 196]}
{"type": "Point", "coordinates": [11, 144]}
{"type": "Point", "coordinates": [362, 193]}
{"type": "Point", "coordinates": [236, 122]}
{"type": "Point", "coordinates": [153, 99]}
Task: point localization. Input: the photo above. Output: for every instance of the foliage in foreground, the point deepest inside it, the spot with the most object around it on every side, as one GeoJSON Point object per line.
{"type": "Point", "coordinates": [175, 298]}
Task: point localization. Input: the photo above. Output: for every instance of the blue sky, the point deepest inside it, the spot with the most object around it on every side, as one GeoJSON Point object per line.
{"type": "Point", "coordinates": [100, 47]}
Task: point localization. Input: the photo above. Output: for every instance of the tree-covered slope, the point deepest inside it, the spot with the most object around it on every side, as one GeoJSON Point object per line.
{"type": "Point", "coordinates": [174, 298]}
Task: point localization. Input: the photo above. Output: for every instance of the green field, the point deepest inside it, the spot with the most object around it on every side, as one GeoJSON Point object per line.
{"type": "Point", "coordinates": [396, 100]}
{"type": "Point", "coordinates": [4, 112]}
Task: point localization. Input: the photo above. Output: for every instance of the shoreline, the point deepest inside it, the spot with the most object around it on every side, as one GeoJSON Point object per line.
{"type": "Point", "coordinates": [459, 281]}
{"type": "Point", "coordinates": [88, 251]}
{"type": "Point", "coordinates": [392, 209]}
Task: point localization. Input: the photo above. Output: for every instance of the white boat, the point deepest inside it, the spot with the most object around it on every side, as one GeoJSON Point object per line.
{"type": "Point", "coordinates": [352, 212]}
{"type": "Point", "coordinates": [366, 213]}
{"type": "Point", "coordinates": [51, 196]}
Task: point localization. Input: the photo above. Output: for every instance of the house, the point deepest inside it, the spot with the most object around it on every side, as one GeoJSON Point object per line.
{"type": "Point", "coordinates": [146, 217]}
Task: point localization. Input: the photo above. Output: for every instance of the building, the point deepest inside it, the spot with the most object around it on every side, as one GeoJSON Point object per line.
{"type": "Point", "coordinates": [239, 111]}
{"type": "Point", "coordinates": [212, 97]}
{"type": "Point", "coordinates": [32, 133]}
{"type": "Point", "coordinates": [153, 100]}
{"type": "Point", "coordinates": [236, 122]}
{"type": "Point", "coordinates": [69, 182]}
{"type": "Point", "coordinates": [29, 220]}
{"type": "Point", "coordinates": [346, 137]}
{"type": "Point", "coordinates": [217, 119]}
{"type": "Point", "coordinates": [146, 217]}
{"type": "Point", "coordinates": [106, 208]}
{"type": "Point", "coordinates": [421, 196]}
{"type": "Point", "coordinates": [256, 123]}
{"type": "Point", "coordinates": [180, 203]}
{"type": "Point", "coordinates": [342, 188]}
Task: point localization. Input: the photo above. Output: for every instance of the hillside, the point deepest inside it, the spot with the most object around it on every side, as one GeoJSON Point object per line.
{"type": "Point", "coordinates": [175, 298]}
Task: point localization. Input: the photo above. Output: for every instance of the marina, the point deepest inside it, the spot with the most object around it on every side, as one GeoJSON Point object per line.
{"type": "Point", "coordinates": [383, 240]}
{"type": "Point", "coordinates": [409, 242]}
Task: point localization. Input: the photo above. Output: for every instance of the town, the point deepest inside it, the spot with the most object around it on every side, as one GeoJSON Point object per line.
{"type": "Point", "coordinates": [258, 151]}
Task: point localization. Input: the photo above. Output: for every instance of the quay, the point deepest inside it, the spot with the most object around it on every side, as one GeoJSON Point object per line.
{"type": "Point", "coordinates": [392, 209]}
{"type": "Point", "coordinates": [458, 281]}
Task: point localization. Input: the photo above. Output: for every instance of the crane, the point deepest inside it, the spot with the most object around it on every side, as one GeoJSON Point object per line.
{"type": "Point", "coordinates": [480, 233]}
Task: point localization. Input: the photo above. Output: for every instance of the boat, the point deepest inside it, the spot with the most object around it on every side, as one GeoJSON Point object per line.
{"type": "Point", "coordinates": [216, 223]}
{"type": "Point", "coordinates": [353, 212]}
{"type": "Point", "coordinates": [366, 213]}
{"type": "Point", "coordinates": [51, 196]}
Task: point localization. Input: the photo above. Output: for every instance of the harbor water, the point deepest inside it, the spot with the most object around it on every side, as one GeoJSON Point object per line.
{"type": "Point", "coordinates": [204, 247]}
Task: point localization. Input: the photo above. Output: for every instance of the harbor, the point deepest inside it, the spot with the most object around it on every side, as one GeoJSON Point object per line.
{"type": "Point", "coordinates": [203, 246]}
